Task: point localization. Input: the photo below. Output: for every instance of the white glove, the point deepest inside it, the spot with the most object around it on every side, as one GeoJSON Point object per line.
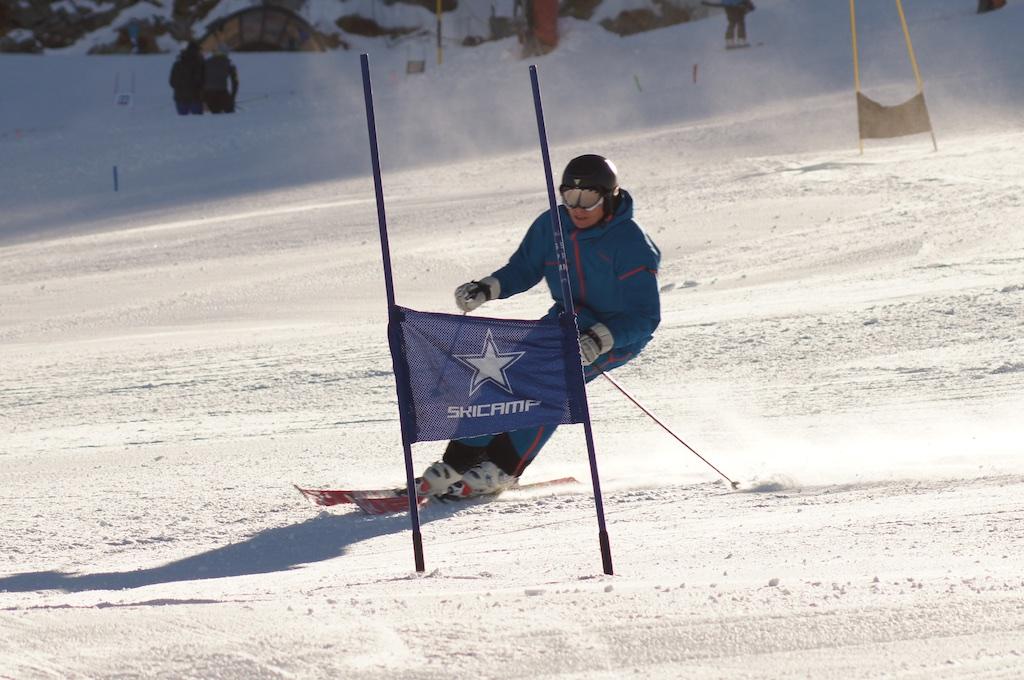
{"type": "Point", "coordinates": [594, 342]}
{"type": "Point", "coordinates": [471, 295]}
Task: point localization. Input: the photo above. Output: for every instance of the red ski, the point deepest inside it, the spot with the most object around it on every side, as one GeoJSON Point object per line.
{"type": "Point", "coordinates": [328, 497]}
{"type": "Point", "coordinates": [384, 501]}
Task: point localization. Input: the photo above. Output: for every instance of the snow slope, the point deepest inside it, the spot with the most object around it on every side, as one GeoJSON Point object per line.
{"type": "Point", "coordinates": [842, 333]}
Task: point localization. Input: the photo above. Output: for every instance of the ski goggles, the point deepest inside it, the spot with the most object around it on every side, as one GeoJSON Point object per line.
{"type": "Point", "coordinates": [588, 199]}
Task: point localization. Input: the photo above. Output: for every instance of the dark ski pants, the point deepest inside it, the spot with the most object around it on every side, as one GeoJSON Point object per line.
{"type": "Point", "coordinates": [737, 23]}
{"type": "Point", "coordinates": [187, 106]}
{"type": "Point", "coordinates": [513, 451]}
{"type": "Point", "coordinates": [219, 101]}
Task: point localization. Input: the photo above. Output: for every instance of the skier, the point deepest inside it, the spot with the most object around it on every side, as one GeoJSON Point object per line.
{"type": "Point", "coordinates": [220, 70]}
{"type": "Point", "coordinates": [736, 14]}
{"type": "Point", "coordinates": [186, 80]}
{"type": "Point", "coordinates": [613, 268]}
{"type": "Point", "coordinates": [990, 5]}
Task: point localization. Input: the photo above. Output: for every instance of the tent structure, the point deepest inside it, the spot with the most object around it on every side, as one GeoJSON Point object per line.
{"type": "Point", "coordinates": [262, 28]}
{"type": "Point", "coordinates": [877, 121]}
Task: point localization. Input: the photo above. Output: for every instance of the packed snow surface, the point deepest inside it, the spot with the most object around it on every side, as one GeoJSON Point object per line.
{"type": "Point", "coordinates": [842, 334]}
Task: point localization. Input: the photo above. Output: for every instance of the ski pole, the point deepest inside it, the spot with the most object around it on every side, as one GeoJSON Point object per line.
{"type": "Point", "coordinates": [650, 415]}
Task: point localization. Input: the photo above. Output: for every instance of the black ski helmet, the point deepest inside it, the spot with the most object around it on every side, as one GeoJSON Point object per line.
{"type": "Point", "coordinates": [591, 171]}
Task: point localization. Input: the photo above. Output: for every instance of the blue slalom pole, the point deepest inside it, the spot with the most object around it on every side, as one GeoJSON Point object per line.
{"type": "Point", "coordinates": [563, 274]}
{"type": "Point", "coordinates": [115, 178]}
{"type": "Point", "coordinates": [394, 320]}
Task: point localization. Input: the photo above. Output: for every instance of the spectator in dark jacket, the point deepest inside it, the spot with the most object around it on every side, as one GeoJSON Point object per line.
{"type": "Point", "coordinates": [218, 75]}
{"type": "Point", "coordinates": [187, 80]}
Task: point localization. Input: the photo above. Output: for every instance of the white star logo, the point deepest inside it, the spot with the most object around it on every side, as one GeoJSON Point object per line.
{"type": "Point", "coordinates": [490, 365]}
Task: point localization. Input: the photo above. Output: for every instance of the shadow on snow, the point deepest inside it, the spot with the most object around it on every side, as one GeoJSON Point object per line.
{"type": "Point", "coordinates": [279, 549]}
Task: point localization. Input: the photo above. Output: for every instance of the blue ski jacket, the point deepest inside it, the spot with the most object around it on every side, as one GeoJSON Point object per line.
{"type": "Point", "coordinates": [613, 271]}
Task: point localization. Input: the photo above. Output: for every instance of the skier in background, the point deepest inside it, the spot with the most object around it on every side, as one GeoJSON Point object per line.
{"type": "Point", "coordinates": [217, 73]}
{"type": "Point", "coordinates": [736, 14]}
{"type": "Point", "coordinates": [613, 267]}
{"type": "Point", "coordinates": [186, 80]}
{"type": "Point", "coordinates": [989, 5]}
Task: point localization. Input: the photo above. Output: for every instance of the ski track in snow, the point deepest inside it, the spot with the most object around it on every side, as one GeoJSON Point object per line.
{"type": "Point", "coordinates": [841, 334]}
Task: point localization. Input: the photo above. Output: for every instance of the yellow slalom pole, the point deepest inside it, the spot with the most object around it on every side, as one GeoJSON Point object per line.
{"type": "Point", "coordinates": [856, 66]}
{"type": "Point", "coordinates": [913, 60]}
{"type": "Point", "coordinates": [440, 53]}
{"type": "Point", "coordinates": [853, 34]}
{"type": "Point", "coordinates": [910, 46]}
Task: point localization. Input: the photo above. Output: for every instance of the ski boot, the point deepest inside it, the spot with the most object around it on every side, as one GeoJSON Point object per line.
{"type": "Point", "coordinates": [480, 480]}
{"type": "Point", "coordinates": [436, 479]}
